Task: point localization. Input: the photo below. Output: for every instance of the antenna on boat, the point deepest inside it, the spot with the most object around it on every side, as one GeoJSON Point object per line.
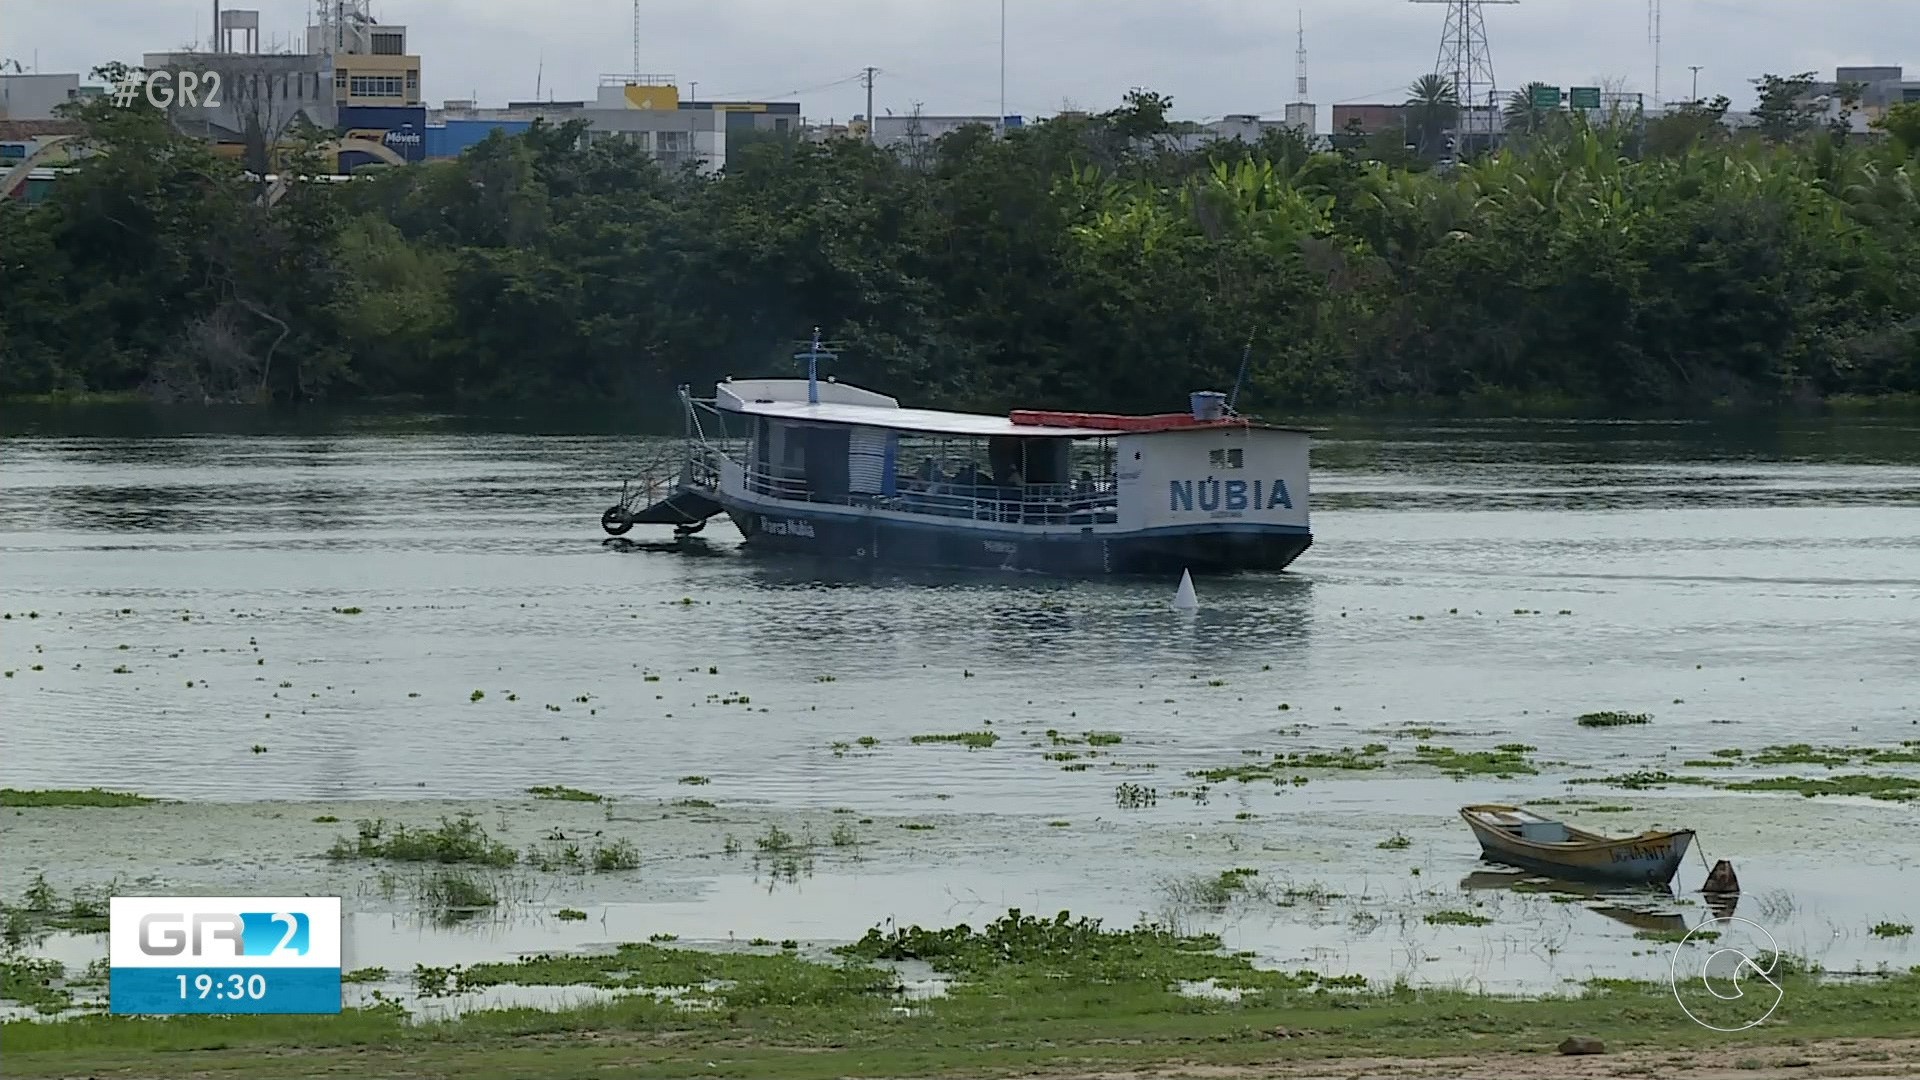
{"type": "Point", "coordinates": [1246, 354]}
{"type": "Point", "coordinates": [813, 356]}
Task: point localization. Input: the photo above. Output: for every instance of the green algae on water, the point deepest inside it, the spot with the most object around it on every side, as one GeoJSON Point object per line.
{"type": "Point", "coordinates": [1456, 918]}
{"type": "Point", "coordinates": [1885, 788]}
{"type": "Point", "coordinates": [564, 793]}
{"type": "Point", "coordinates": [1613, 719]}
{"type": "Point", "coordinates": [1458, 764]}
{"type": "Point", "coordinates": [972, 740]}
{"type": "Point", "coordinates": [71, 797]}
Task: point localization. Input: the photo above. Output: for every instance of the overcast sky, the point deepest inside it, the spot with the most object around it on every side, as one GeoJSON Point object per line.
{"type": "Point", "coordinates": [1212, 56]}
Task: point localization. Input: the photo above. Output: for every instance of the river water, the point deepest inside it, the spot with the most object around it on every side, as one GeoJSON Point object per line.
{"type": "Point", "coordinates": [418, 612]}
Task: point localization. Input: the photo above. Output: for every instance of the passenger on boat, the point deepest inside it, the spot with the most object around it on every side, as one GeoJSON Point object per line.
{"type": "Point", "coordinates": [1010, 493]}
{"type": "Point", "coordinates": [968, 478]}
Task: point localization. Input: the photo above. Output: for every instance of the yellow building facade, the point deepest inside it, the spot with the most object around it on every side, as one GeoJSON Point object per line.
{"type": "Point", "coordinates": [371, 80]}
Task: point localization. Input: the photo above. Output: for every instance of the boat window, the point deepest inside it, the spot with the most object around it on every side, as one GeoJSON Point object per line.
{"type": "Point", "coordinates": [1231, 458]}
{"type": "Point", "coordinates": [1010, 479]}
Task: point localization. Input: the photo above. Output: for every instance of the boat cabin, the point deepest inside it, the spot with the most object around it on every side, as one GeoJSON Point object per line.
{"type": "Point", "coordinates": [854, 447]}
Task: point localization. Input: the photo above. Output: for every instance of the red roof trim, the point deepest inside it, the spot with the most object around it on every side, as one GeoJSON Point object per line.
{"type": "Point", "coordinates": [1115, 421]}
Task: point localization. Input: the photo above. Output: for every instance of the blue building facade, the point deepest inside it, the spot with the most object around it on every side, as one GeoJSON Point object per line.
{"type": "Point", "coordinates": [401, 129]}
{"type": "Point", "coordinates": [455, 137]}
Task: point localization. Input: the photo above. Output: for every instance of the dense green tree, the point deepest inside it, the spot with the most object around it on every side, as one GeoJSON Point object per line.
{"type": "Point", "coordinates": [1787, 109]}
{"type": "Point", "coordinates": [1433, 109]}
{"type": "Point", "coordinates": [1689, 127]}
{"type": "Point", "coordinates": [1525, 117]}
{"type": "Point", "coordinates": [1086, 261]}
{"type": "Point", "coordinates": [1902, 122]}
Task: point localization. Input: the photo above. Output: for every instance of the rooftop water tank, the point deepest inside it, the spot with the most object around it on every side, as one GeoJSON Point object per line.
{"type": "Point", "coordinates": [1208, 404]}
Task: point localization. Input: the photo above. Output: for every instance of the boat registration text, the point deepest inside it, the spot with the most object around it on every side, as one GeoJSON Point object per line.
{"type": "Point", "coordinates": [786, 527]}
{"type": "Point", "coordinates": [1642, 852]}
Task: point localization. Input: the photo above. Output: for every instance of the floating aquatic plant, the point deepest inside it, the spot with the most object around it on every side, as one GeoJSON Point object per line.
{"type": "Point", "coordinates": [1613, 719]}
{"type": "Point", "coordinates": [616, 855]}
{"type": "Point", "coordinates": [457, 840]}
{"type": "Point", "coordinates": [972, 740]}
{"type": "Point", "coordinates": [70, 798]}
{"type": "Point", "coordinates": [563, 793]}
{"type": "Point", "coordinates": [1456, 918]}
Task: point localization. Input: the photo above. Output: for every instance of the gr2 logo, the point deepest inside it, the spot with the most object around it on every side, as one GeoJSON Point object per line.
{"type": "Point", "coordinates": [224, 934]}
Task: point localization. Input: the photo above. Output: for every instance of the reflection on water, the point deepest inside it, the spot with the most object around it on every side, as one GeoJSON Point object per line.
{"type": "Point", "coordinates": [1647, 907]}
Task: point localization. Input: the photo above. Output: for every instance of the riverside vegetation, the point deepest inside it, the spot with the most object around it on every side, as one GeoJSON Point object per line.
{"type": "Point", "coordinates": [1024, 993]}
{"type": "Point", "coordinates": [1088, 260]}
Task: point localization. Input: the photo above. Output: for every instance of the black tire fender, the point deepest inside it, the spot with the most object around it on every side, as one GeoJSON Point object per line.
{"type": "Point", "coordinates": [617, 521]}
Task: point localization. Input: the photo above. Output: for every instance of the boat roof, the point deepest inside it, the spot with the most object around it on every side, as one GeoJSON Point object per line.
{"type": "Point", "coordinates": [842, 403]}
{"type": "Point", "coordinates": [931, 421]}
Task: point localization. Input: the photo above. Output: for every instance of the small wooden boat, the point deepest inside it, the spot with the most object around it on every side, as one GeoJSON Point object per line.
{"type": "Point", "coordinates": [1520, 838]}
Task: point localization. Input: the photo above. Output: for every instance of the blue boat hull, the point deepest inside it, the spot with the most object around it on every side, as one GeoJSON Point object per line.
{"type": "Point", "coordinates": [1220, 548]}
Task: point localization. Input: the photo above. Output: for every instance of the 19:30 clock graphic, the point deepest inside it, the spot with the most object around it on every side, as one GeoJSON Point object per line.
{"type": "Point", "coordinates": [235, 987]}
{"type": "Point", "coordinates": [199, 954]}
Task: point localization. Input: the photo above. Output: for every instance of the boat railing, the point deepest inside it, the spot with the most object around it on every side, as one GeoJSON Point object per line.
{"type": "Point", "coordinates": [703, 466]}
{"type": "Point", "coordinates": [1031, 504]}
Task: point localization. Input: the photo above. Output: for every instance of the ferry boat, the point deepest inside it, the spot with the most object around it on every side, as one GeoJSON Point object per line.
{"type": "Point", "coordinates": [832, 469]}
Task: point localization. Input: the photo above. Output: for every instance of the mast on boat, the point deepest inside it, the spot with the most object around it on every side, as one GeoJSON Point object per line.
{"type": "Point", "coordinates": [813, 356]}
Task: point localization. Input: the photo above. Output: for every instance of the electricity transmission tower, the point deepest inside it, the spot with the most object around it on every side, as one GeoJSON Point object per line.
{"type": "Point", "coordinates": [1467, 62]}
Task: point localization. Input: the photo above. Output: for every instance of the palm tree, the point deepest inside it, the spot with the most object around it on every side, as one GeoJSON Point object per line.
{"type": "Point", "coordinates": [1433, 107]}
{"type": "Point", "coordinates": [1523, 116]}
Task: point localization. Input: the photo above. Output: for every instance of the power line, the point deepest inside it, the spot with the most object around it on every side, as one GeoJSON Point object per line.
{"type": "Point", "coordinates": [762, 96]}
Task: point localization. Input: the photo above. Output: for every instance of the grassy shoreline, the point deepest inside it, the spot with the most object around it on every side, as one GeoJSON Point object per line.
{"type": "Point", "coordinates": [1087, 1029]}
{"type": "Point", "coordinates": [1025, 994]}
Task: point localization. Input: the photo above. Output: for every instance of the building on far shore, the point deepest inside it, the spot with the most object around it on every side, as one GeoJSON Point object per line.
{"type": "Point", "coordinates": [354, 77]}
{"type": "Point", "coordinates": [34, 96]}
{"type": "Point", "coordinates": [893, 131]}
{"type": "Point", "coordinates": [644, 110]}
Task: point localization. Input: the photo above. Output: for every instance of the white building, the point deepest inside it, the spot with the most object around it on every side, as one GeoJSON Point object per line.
{"type": "Point", "coordinates": [34, 97]}
{"type": "Point", "coordinates": [645, 110]}
{"type": "Point", "coordinates": [926, 130]}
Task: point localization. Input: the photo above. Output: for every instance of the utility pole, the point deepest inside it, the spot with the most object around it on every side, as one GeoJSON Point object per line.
{"type": "Point", "coordinates": [1653, 36]}
{"type": "Point", "coordinates": [869, 76]}
{"type": "Point", "coordinates": [1695, 68]}
{"type": "Point", "coordinates": [693, 91]}
{"type": "Point", "coordinates": [1000, 125]}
